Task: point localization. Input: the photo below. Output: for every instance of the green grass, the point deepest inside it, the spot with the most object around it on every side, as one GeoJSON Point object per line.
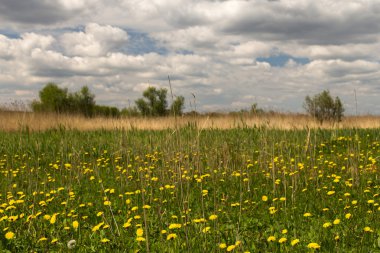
{"type": "Point", "coordinates": [258, 182]}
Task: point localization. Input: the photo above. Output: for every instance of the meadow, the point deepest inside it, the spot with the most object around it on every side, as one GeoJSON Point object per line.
{"type": "Point", "coordinates": [190, 189]}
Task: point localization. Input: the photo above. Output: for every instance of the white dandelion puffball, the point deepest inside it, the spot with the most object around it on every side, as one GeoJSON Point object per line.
{"type": "Point", "coordinates": [71, 244]}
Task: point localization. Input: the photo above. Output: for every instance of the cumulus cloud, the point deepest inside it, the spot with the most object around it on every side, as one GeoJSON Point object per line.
{"type": "Point", "coordinates": [227, 53]}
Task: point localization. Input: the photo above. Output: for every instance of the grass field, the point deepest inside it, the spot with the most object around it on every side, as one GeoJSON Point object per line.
{"type": "Point", "coordinates": [190, 189]}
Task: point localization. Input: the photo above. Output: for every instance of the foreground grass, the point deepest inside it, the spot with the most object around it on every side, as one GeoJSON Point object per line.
{"type": "Point", "coordinates": [190, 190]}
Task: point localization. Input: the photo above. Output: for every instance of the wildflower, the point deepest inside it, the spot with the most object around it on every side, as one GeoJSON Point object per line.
{"type": "Point", "coordinates": [368, 229]}
{"type": "Point", "coordinates": [348, 216]}
{"type": "Point", "coordinates": [174, 225]}
{"type": "Point", "coordinates": [336, 238]}
{"type": "Point", "coordinates": [327, 224]}
{"type": "Point", "coordinates": [107, 203]}
{"type": "Point", "coordinates": [206, 229]}
{"type": "Point", "coordinates": [330, 193]}
{"type": "Point", "coordinates": [264, 198]}
{"type": "Point", "coordinates": [42, 239]}
{"type": "Point", "coordinates": [231, 247]}
{"type": "Point", "coordinates": [284, 231]}
{"type": "Point", "coordinates": [127, 225]}
{"type": "Point", "coordinates": [271, 238]}
{"type": "Point", "coordinates": [222, 245]}
{"type": "Point", "coordinates": [75, 225]}
{"type": "Point", "coordinates": [282, 240]}
{"type": "Point", "coordinates": [54, 240]}
{"type": "Point", "coordinates": [213, 217]}
{"type": "Point", "coordinates": [9, 235]}
{"type": "Point", "coordinates": [139, 232]}
{"type": "Point", "coordinates": [336, 221]}
{"type": "Point", "coordinates": [313, 245]}
{"type": "Point", "coordinates": [105, 240]}
{"type": "Point", "coordinates": [307, 215]}
{"type": "Point", "coordinates": [71, 244]}
{"type": "Point", "coordinates": [294, 242]}
{"type": "Point", "coordinates": [171, 236]}
{"type": "Point", "coordinates": [140, 239]}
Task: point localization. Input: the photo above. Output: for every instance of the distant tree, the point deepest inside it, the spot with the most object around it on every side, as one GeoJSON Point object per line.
{"type": "Point", "coordinates": [86, 101]}
{"type": "Point", "coordinates": [52, 99]}
{"type": "Point", "coordinates": [153, 103]}
{"type": "Point", "coordinates": [323, 107]}
{"type": "Point", "coordinates": [255, 109]}
{"type": "Point", "coordinates": [177, 106]}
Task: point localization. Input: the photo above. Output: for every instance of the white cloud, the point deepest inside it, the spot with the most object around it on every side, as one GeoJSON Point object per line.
{"type": "Point", "coordinates": [209, 48]}
{"type": "Point", "coordinates": [95, 40]}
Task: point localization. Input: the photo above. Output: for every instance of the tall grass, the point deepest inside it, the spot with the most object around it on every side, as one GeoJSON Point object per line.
{"type": "Point", "coordinates": [190, 189]}
{"type": "Point", "coordinates": [14, 121]}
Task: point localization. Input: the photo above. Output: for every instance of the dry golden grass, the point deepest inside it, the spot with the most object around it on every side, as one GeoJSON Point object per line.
{"type": "Point", "coordinates": [14, 121]}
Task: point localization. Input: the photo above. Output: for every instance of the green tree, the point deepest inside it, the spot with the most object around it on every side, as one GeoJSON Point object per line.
{"type": "Point", "coordinates": [85, 101]}
{"type": "Point", "coordinates": [323, 107]}
{"type": "Point", "coordinates": [153, 102]}
{"type": "Point", "coordinates": [177, 106]}
{"type": "Point", "coordinates": [52, 99]}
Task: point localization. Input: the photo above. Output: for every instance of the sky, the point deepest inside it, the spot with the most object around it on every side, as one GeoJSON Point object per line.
{"type": "Point", "coordinates": [220, 55]}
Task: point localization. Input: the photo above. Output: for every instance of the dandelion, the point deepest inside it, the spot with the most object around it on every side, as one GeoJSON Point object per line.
{"type": "Point", "coordinates": [54, 241]}
{"type": "Point", "coordinates": [140, 239]}
{"type": "Point", "coordinates": [206, 229]}
{"type": "Point", "coordinates": [368, 229]}
{"type": "Point", "coordinates": [271, 238]}
{"type": "Point", "coordinates": [284, 231]}
{"type": "Point", "coordinates": [348, 216]}
{"type": "Point", "coordinates": [75, 225]}
{"type": "Point", "coordinates": [336, 221]}
{"type": "Point", "coordinates": [175, 225]}
{"type": "Point", "coordinates": [264, 198]}
{"type": "Point", "coordinates": [42, 239]}
{"type": "Point", "coordinates": [104, 240]}
{"type": "Point", "coordinates": [327, 224]}
{"type": "Point", "coordinates": [282, 240]}
{"type": "Point", "coordinates": [330, 193]}
{"type": "Point", "coordinates": [222, 245]}
{"type": "Point", "coordinates": [294, 242]}
{"type": "Point", "coordinates": [313, 245]}
{"type": "Point", "coordinates": [9, 235]}
{"type": "Point", "coordinates": [71, 244]}
{"type": "Point", "coordinates": [231, 247]}
{"type": "Point", "coordinates": [171, 236]}
{"type": "Point", "coordinates": [307, 215]}
{"type": "Point", "coordinates": [213, 217]}
{"type": "Point", "coordinates": [139, 232]}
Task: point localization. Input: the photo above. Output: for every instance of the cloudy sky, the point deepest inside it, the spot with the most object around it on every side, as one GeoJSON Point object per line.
{"type": "Point", "coordinates": [230, 54]}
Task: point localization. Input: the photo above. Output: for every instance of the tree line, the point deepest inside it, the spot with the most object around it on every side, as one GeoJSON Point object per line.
{"type": "Point", "coordinates": [154, 102]}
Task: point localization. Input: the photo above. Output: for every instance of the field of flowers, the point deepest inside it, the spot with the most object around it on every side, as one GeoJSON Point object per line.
{"type": "Point", "coordinates": [190, 190]}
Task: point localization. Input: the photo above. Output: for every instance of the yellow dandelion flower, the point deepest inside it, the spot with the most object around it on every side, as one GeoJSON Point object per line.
{"type": "Point", "coordinates": [327, 224]}
{"type": "Point", "coordinates": [213, 217]}
{"type": "Point", "coordinates": [348, 215]}
{"type": "Point", "coordinates": [139, 232]}
{"type": "Point", "coordinates": [330, 193]}
{"type": "Point", "coordinates": [294, 242]}
{"type": "Point", "coordinates": [336, 221]}
{"type": "Point", "coordinates": [171, 236]}
{"type": "Point", "coordinates": [313, 245]}
{"type": "Point", "coordinates": [104, 240]}
{"type": "Point", "coordinates": [368, 229]}
{"type": "Point", "coordinates": [271, 238]}
{"type": "Point", "coordinates": [75, 224]}
{"type": "Point", "coordinates": [264, 198]}
{"type": "Point", "coordinates": [307, 215]}
{"type": "Point", "coordinates": [174, 226]}
{"type": "Point", "coordinates": [54, 240]}
{"type": "Point", "coordinates": [140, 239]}
{"type": "Point", "coordinates": [284, 231]}
{"type": "Point", "coordinates": [127, 225]}
{"type": "Point", "coordinates": [222, 245]}
{"type": "Point", "coordinates": [9, 235]}
{"type": "Point", "coordinates": [231, 247]}
{"type": "Point", "coordinates": [282, 240]}
{"type": "Point", "coordinates": [206, 229]}
{"type": "Point", "coordinates": [42, 239]}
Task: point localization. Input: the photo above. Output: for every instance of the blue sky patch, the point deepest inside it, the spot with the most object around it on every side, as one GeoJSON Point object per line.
{"type": "Point", "coordinates": [141, 43]}
{"type": "Point", "coordinates": [281, 59]}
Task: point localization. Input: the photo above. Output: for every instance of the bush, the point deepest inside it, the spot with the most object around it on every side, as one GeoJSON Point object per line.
{"type": "Point", "coordinates": [324, 108]}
